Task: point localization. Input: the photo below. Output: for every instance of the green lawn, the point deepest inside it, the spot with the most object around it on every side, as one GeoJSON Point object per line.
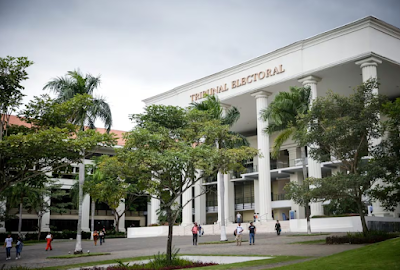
{"type": "Point", "coordinates": [383, 255]}
{"type": "Point", "coordinates": [276, 259]}
{"type": "Point", "coordinates": [71, 256]}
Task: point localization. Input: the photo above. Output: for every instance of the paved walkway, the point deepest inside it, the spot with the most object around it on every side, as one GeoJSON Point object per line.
{"type": "Point", "coordinates": [266, 244]}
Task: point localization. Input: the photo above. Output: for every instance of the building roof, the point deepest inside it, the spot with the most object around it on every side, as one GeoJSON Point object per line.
{"type": "Point", "coordinates": [14, 120]}
{"type": "Point", "coordinates": [367, 21]}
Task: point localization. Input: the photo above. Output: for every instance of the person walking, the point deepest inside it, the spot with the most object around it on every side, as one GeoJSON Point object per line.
{"type": "Point", "coordinates": [238, 217]}
{"type": "Point", "coordinates": [8, 245]}
{"type": "Point", "coordinates": [101, 236]}
{"type": "Point", "coordinates": [195, 231]}
{"type": "Point", "coordinates": [252, 232]}
{"type": "Point", "coordinates": [95, 237]}
{"type": "Point", "coordinates": [199, 230]}
{"type": "Point", "coordinates": [18, 248]}
{"type": "Point", "coordinates": [278, 227]}
{"type": "Point", "coordinates": [49, 239]}
{"type": "Point", "coordinates": [104, 232]}
{"type": "Point", "coordinates": [239, 232]}
{"type": "Point", "coordinates": [254, 217]}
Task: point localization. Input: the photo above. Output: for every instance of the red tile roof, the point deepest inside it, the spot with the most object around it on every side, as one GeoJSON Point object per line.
{"type": "Point", "coordinates": [14, 120]}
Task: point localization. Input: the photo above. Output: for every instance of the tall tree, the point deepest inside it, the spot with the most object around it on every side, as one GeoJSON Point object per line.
{"type": "Point", "coordinates": [229, 117]}
{"type": "Point", "coordinates": [12, 74]}
{"type": "Point", "coordinates": [66, 88]}
{"type": "Point", "coordinates": [167, 150]}
{"type": "Point", "coordinates": [283, 117]}
{"type": "Point", "coordinates": [344, 128]}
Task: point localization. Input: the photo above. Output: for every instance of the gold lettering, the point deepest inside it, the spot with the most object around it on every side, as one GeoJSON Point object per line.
{"type": "Point", "coordinates": [201, 95]}
{"type": "Point", "coordinates": [238, 83]}
{"type": "Point", "coordinates": [192, 97]}
{"type": "Point", "coordinates": [255, 77]}
{"type": "Point", "coordinates": [261, 75]}
{"type": "Point", "coordinates": [276, 71]}
{"type": "Point", "coordinates": [268, 72]}
{"type": "Point", "coordinates": [243, 81]}
{"type": "Point", "coordinates": [233, 84]}
{"type": "Point", "coordinates": [250, 76]}
{"type": "Point", "coordinates": [225, 88]}
{"type": "Point", "coordinates": [281, 70]}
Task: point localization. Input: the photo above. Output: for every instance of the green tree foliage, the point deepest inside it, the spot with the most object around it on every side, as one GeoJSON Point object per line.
{"type": "Point", "coordinates": [386, 159]}
{"type": "Point", "coordinates": [75, 83]}
{"type": "Point", "coordinates": [344, 128]}
{"type": "Point", "coordinates": [12, 74]}
{"type": "Point", "coordinates": [283, 117]}
{"type": "Point", "coordinates": [171, 148]}
{"type": "Point", "coordinates": [50, 143]}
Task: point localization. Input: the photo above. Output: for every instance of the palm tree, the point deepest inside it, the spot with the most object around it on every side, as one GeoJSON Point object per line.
{"type": "Point", "coordinates": [283, 114]}
{"type": "Point", "coordinates": [229, 117]}
{"type": "Point", "coordinates": [66, 88]}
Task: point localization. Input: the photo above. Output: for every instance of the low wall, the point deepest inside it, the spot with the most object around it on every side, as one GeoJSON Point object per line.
{"type": "Point", "coordinates": [141, 232]}
{"type": "Point", "coordinates": [335, 224]}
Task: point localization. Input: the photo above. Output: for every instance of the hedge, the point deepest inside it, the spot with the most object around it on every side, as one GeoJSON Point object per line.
{"type": "Point", "coordinates": [60, 235]}
{"type": "Point", "coordinates": [359, 238]}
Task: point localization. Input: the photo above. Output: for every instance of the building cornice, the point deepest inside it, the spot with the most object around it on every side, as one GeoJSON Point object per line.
{"type": "Point", "coordinates": [323, 37]}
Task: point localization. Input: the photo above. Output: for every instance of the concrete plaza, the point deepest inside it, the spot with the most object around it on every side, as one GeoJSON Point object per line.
{"type": "Point", "coordinates": [266, 244]}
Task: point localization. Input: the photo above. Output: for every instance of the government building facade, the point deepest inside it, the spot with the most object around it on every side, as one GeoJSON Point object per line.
{"type": "Point", "coordinates": [337, 60]}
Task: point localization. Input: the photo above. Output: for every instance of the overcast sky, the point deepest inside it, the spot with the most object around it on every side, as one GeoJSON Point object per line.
{"type": "Point", "coordinates": [143, 48]}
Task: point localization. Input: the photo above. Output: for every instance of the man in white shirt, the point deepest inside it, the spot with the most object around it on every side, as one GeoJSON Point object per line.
{"type": "Point", "coordinates": [238, 217]}
{"type": "Point", "coordinates": [239, 232]}
{"type": "Point", "coordinates": [8, 245]}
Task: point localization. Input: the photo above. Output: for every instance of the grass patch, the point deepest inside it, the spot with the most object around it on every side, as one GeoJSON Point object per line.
{"type": "Point", "coordinates": [276, 259]}
{"type": "Point", "coordinates": [312, 242]}
{"type": "Point", "coordinates": [221, 242]}
{"type": "Point", "coordinates": [313, 234]}
{"type": "Point", "coordinates": [383, 255]}
{"type": "Point", "coordinates": [71, 256]}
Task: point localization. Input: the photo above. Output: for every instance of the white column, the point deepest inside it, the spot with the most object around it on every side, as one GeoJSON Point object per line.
{"type": "Point", "coordinates": [200, 204]}
{"type": "Point", "coordinates": [229, 197]}
{"type": "Point", "coordinates": [220, 185]}
{"type": "Point", "coordinates": [369, 69]}
{"type": "Point", "coordinates": [121, 209]}
{"type": "Point", "coordinates": [148, 213]}
{"type": "Point", "coordinates": [264, 174]}
{"type": "Point", "coordinates": [314, 167]}
{"type": "Point", "coordinates": [155, 205]}
{"type": "Point", "coordinates": [297, 177]}
{"type": "Point", "coordinates": [85, 213]}
{"type": "Point", "coordinates": [45, 226]}
{"type": "Point", "coordinates": [256, 197]}
{"type": "Point", "coordinates": [2, 212]}
{"type": "Point", "coordinates": [187, 210]}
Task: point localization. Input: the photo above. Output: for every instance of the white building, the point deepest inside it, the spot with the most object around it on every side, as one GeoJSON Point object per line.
{"type": "Point", "coordinates": [340, 59]}
{"type": "Point", "coordinates": [67, 177]}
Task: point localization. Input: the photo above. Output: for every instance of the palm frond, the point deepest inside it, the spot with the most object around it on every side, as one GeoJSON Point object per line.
{"type": "Point", "coordinates": [231, 117]}
{"type": "Point", "coordinates": [280, 139]}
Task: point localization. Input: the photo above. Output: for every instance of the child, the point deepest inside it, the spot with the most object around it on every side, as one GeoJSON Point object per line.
{"type": "Point", "coordinates": [18, 248]}
{"type": "Point", "coordinates": [8, 245]}
{"type": "Point", "coordinates": [49, 238]}
{"type": "Point", "coordinates": [95, 237]}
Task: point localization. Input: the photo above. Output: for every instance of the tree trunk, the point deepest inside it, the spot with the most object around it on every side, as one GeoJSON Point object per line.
{"type": "Point", "coordinates": [222, 195]}
{"type": "Point", "coordinates": [363, 222]}
{"type": "Point", "coordinates": [78, 246]}
{"type": "Point", "coordinates": [116, 220]}
{"type": "Point", "coordinates": [306, 206]}
{"type": "Point", "coordinates": [170, 233]}
{"type": "Point", "coordinates": [20, 218]}
{"type": "Point", "coordinates": [92, 221]}
{"type": "Point", "coordinates": [39, 226]}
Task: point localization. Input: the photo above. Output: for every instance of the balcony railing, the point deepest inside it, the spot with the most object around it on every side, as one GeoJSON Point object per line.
{"type": "Point", "coordinates": [279, 197]}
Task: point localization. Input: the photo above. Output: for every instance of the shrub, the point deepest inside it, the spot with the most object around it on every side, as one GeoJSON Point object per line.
{"type": "Point", "coordinates": [359, 238]}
